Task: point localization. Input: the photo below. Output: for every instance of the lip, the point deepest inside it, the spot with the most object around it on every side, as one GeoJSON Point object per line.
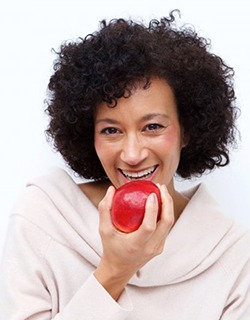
{"type": "Point", "coordinates": [149, 178]}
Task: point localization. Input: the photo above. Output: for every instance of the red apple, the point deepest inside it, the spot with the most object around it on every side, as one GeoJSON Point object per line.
{"type": "Point", "coordinates": [129, 203]}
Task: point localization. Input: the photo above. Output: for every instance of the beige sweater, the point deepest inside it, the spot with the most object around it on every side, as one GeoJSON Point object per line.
{"type": "Point", "coordinates": [53, 247]}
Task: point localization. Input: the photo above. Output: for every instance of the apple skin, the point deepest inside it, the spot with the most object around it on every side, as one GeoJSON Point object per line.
{"type": "Point", "coordinates": [129, 203]}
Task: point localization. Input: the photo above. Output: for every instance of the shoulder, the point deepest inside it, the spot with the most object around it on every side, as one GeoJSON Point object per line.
{"type": "Point", "coordinates": [54, 203]}
{"type": "Point", "coordinates": [46, 194]}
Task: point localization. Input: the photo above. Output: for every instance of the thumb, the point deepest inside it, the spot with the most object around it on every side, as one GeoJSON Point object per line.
{"type": "Point", "coordinates": [105, 207]}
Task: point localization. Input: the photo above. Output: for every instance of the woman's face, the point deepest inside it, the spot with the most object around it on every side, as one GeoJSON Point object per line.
{"type": "Point", "coordinates": [141, 137]}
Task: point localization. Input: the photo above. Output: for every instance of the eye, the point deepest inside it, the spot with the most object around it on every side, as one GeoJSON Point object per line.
{"type": "Point", "coordinates": [152, 127]}
{"type": "Point", "coordinates": [110, 131]}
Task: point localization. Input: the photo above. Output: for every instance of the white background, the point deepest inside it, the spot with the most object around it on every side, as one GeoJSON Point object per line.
{"type": "Point", "coordinates": [28, 32]}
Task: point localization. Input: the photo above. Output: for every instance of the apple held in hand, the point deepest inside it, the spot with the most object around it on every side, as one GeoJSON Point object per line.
{"type": "Point", "coordinates": [129, 203]}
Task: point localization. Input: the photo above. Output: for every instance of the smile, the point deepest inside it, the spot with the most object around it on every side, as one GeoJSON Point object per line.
{"type": "Point", "coordinates": [144, 174]}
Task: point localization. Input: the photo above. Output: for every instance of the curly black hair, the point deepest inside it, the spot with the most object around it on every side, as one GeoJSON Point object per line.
{"type": "Point", "coordinates": [108, 64]}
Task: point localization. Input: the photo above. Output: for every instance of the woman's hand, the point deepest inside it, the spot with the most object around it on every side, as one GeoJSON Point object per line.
{"type": "Point", "coordinates": [125, 253]}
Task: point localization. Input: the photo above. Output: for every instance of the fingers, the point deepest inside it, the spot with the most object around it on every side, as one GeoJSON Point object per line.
{"type": "Point", "coordinates": [104, 208]}
{"type": "Point", "coordinates": [149, 222]}
{"type": "Point", "coordinates": [164, 225]}
{"type": "Point", "coordinates": [152, 230]}
{"type": "Point", "coordinates": [152, 234]}
{"type": "Point", "coordinates": [151, 212]}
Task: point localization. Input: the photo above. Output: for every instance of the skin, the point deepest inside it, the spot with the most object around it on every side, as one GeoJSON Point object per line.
{"type": "Point", "coordinates": [141, 135]}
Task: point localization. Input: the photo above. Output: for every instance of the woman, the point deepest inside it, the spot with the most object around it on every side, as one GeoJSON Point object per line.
{"type": "Point", "coordinates": [125, 103]}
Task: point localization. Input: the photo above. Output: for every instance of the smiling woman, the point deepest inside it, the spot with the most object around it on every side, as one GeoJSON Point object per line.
{"type": "Point", "coordinates": [131, 102]}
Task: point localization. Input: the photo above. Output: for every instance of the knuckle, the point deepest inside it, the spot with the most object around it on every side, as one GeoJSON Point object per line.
{"type": "Point", "coordinates": [169, 199]}
{"type": "Point", "coordinates": [101, 206]}
{"type": "Point", "coordinates": [168, 221]}
{"type": "Point", "coordinates": [160, 249]}
{"type": "Point", "coordinates": [104, 231]}
{"type": "Point", "coordinates": [148, 228]}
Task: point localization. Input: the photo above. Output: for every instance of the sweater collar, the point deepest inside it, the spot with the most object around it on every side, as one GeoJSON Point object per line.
{"type": "Point", "coordinates": [190, 248]}
{"type": "Point", "coordinates": [192, 244]}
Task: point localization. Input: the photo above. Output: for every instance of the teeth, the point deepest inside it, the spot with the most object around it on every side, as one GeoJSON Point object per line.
{"type": "Point", "coordinates": [138, 175]}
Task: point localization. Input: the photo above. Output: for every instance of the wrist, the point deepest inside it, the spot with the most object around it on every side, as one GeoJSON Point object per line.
{"type": "Point", "coordinates": [111, 279]}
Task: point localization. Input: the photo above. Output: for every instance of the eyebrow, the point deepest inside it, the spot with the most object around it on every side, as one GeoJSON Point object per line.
{"type": "Point", "coordinates": [107, 120]}
{"type": "Point", "coordinates": [150, 116]}
{"type": "Point", "coordinates": [146, 117]}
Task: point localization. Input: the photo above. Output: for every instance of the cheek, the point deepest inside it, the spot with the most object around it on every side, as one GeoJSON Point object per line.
{"type": "Point", "coordinates": [103, 150]}
{"type": "Point", "coordinates": [99, 148]}
{"type": "Point", "coordinates": [171, 139]}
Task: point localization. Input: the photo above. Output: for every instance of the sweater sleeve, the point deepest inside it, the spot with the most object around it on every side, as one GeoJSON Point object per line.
{"type": "Point", "coordinates": [99, 305]}
{"type": "Point", "coordinates": [25, 283]}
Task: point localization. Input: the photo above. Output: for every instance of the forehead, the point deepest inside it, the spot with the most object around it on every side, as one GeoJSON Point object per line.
{"type": "Point", "coordinates": [157, 98]}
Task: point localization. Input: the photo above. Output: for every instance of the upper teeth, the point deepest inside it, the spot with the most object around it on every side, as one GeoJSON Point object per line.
{"type": "Point", "coordinates": [136, 175]}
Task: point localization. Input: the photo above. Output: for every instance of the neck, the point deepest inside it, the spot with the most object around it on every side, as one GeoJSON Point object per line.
{"type": "Point", "coordinates": [180, 201]}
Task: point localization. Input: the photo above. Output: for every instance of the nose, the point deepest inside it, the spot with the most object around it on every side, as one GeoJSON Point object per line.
{"type": "Point", "coordinates": [133, 150]}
